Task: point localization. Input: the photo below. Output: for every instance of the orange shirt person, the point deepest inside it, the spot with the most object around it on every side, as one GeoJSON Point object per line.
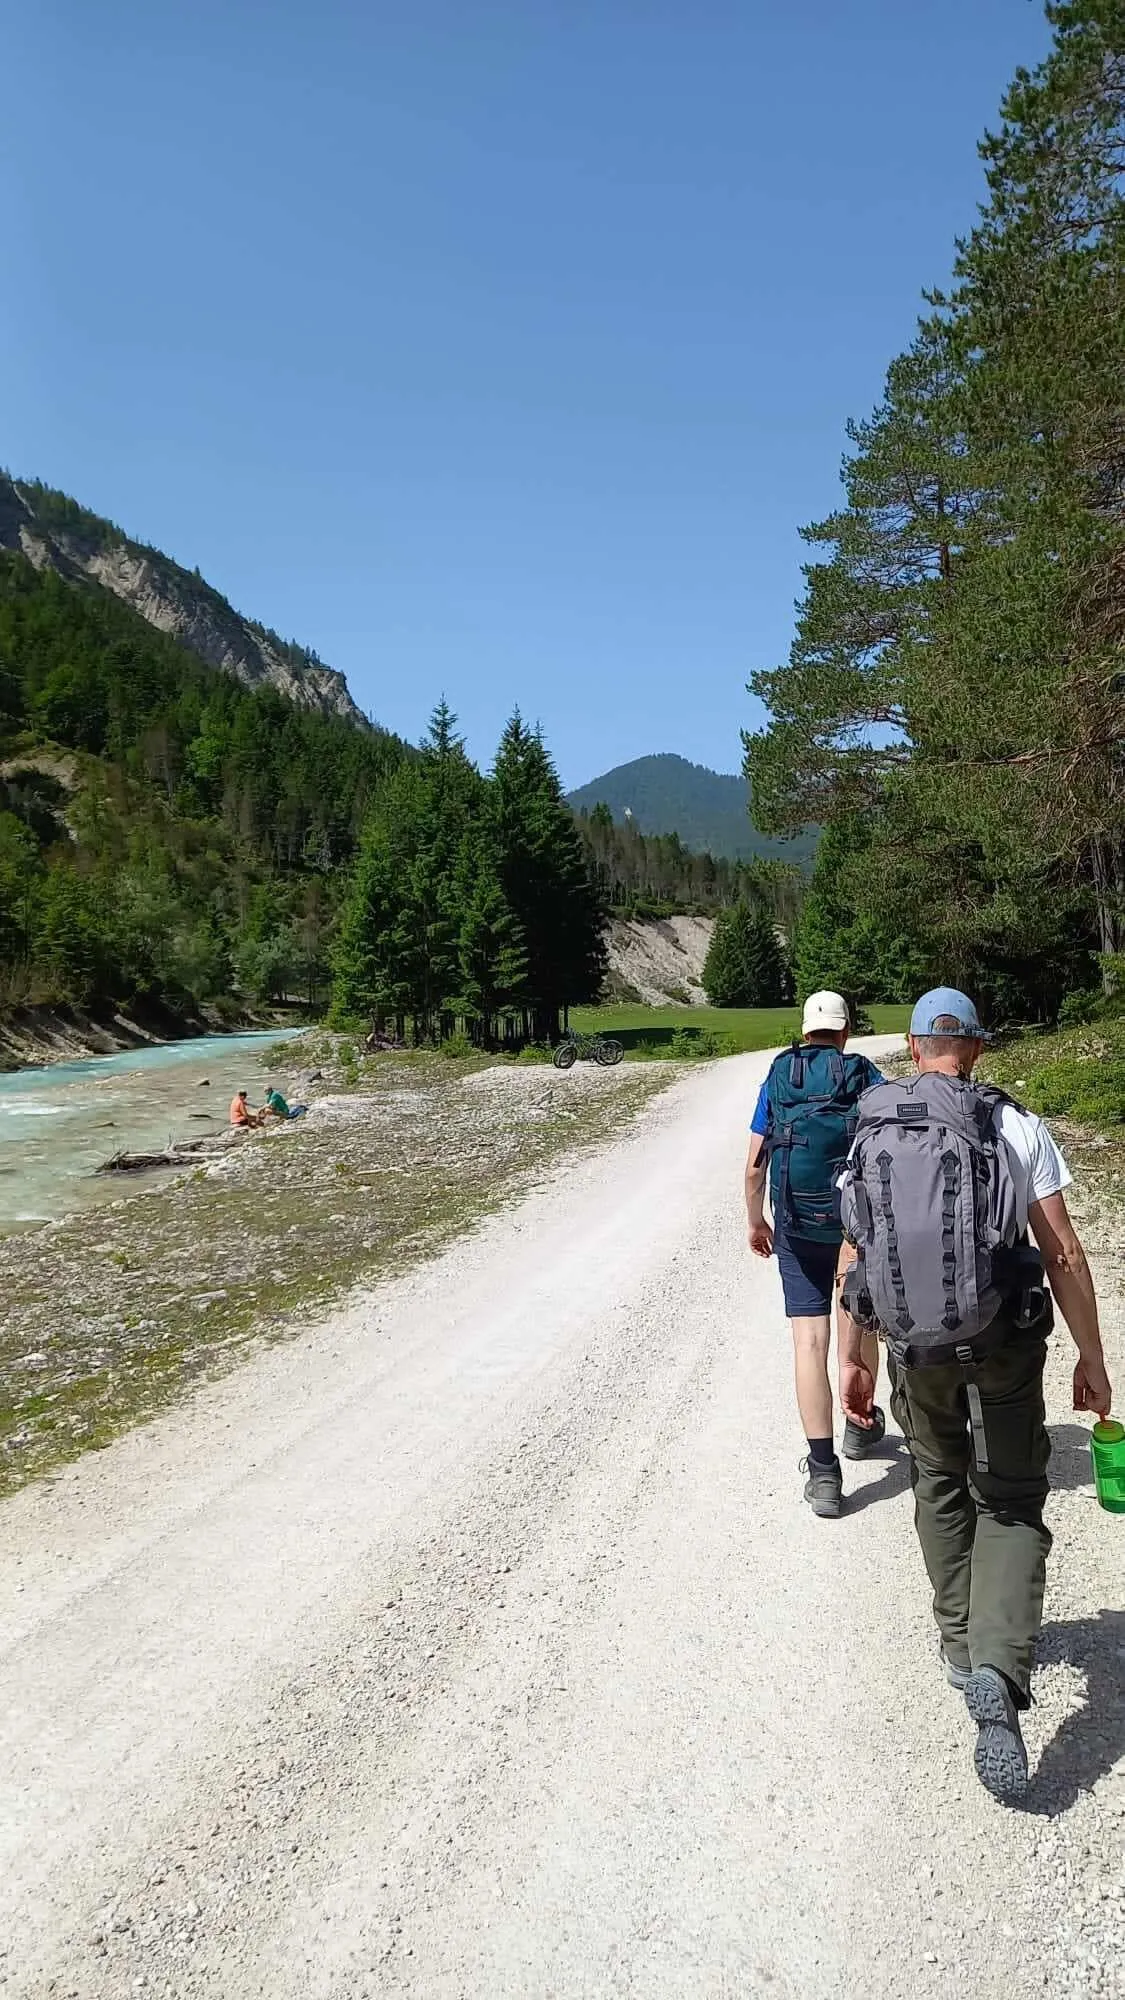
{"type": "Point", "coordinates": [240, 1113]}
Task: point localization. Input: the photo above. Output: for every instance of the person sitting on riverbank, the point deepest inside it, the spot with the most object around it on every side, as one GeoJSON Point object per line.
{"type": "Point", "coordinates": [241, 1116]}
{"type": "Point", "coordinates": [276, 1106]}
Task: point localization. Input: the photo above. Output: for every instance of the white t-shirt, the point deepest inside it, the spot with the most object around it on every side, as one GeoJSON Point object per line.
{"type": "Point", "coordinates": [1038, 1167]}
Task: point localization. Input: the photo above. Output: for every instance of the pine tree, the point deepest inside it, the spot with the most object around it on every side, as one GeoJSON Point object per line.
{"type": "Point", "coordinates": [493, 957]}
{"type": "Point", "coordinates": [542, 870]}
{"type": "Point", "coordinates": [956, 677]}
{"type": "Point", "coordinates": [744, 966]}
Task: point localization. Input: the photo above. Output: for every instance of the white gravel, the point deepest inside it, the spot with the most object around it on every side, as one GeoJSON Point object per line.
{"type": "Point", "coordinates": [478, 1644]}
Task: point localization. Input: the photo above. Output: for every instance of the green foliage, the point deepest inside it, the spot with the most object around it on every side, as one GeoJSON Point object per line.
{"type": "Point", "coordinates": [698, 1044]}
{"type": "Point", "coordinates": [180, 832]}
{"type": "Point", "coordinates": [952, 703]}
{"type": "Point", "coordinates": [744, 966]}
{"type": "Point", "coordinates": [457, 1046]}
{"type": "Point", "coordinates": [1076, 1073]}
{"type": "Point", "coordinates": [842, 942]}
{"type": "Point", "coordinates": [1092, 1093]}
{"type": "Point", "coordinates": [471, 899]}
{"type": "Point", "coordinates": [655, 875]}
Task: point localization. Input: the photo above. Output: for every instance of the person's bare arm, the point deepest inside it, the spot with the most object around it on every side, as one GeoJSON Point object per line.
{"type": "Point", "coordinates": [857, 1384]}
{"type": "Point", "coordinates": [1068, 1275]}
{"type": "Point", "coordinates": [758, 1229]}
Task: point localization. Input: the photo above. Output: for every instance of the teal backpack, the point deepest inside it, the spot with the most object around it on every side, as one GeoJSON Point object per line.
{"type": "Point", "coordinates": [813, 1094]}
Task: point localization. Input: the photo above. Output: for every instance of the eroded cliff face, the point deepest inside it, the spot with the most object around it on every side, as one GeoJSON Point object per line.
{"type": "Point", "coordinates": [175, 600]}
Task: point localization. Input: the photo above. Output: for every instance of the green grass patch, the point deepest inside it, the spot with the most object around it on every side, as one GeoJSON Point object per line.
{"type": "Point", "coordinates": [1077, 1073]}
{"type": "Point", "coordinates": [653, 1031]}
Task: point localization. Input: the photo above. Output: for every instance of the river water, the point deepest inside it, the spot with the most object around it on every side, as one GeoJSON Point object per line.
{"type": "Point", "coordinates": [57, 1124]}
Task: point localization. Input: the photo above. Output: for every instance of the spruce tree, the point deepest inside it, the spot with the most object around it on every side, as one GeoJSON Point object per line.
{"type": "Point", "coordinates": [542, 870]}
{"type": "Point", "coordinates": [744, 966]}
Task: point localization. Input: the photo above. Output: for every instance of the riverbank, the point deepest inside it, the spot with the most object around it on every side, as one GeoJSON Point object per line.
{"type": "Point", "coordinates": [34, 1037]}
{"type": "Point", "coordinates": [111, 1314]}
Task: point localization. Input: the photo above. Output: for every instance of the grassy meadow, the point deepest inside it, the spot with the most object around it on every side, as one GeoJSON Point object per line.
{"type": "Point", "coordinates": [648, 1031]}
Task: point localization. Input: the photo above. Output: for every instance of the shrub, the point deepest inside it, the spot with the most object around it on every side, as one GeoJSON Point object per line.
{"type": "Point", "coordinates": [1079, 1008]}
{"type": "Point", "coordinates": [457, 1047]}
{"type": "Point", "coordinates": [1093, 1092]}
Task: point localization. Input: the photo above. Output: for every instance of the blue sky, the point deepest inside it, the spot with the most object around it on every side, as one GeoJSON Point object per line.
{"type": "Point", "coordinates": [497, 347]}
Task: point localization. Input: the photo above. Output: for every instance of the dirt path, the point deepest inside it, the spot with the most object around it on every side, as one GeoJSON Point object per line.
{"type": "Point", "coordinates": [478, 1645]}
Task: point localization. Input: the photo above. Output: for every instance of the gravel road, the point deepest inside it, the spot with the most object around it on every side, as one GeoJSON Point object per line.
{"type": "Point", "coordinates": [478, 1644]}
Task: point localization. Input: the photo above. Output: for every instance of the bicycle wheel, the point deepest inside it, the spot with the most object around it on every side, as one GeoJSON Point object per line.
{"type": "Point", "coordinates": [565, 1056]}
{"type": "Point", "coordinates": [609, 1052]}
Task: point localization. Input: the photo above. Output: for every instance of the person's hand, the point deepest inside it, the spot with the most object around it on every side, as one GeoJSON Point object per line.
{"type": "Point", "coordinates": [761, 1239]}
{"type": "Point", "coordinates": [857, 1393]}
{"type": "Point", "coordinates": [1092, 1389]}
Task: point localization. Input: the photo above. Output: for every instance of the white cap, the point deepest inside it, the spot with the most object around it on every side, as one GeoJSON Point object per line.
{"type": "Point", "coordinates": [824, 1010]}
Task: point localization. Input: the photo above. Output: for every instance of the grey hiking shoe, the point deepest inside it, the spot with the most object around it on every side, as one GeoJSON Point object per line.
{"type": "Point", "coordinates": [1000, 1757]}
{"type": "Point", "coordinates": [958, 1677]}
{"type": "Point", "coordinates": [858, 1442]}
{"type": "Point", "coordinates": [824, 1488]}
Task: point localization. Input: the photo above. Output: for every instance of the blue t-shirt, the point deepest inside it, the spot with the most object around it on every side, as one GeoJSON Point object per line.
{"type": "Point", "coordinates": [761, 1119]}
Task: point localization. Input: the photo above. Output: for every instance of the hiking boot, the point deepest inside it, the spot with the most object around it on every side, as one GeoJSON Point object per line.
{"type": "Point", "coordinates": [1000, 1757]}
{"type": "Point", "coordinates": [824, 1488]}
{"type": "Point", "coordinates": [858, 1442]}
{"type": "Point", "coordinates": [958, 1677]}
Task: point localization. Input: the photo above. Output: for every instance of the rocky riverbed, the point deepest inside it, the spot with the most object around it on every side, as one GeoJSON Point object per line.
{"type": "Point", "coordinates": [109, 1314]}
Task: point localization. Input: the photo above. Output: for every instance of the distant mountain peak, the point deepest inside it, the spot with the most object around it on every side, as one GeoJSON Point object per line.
{"type": "Point", "coordinates": [710, 810]}
{"type": "Point", "coordinates": [54, 532]}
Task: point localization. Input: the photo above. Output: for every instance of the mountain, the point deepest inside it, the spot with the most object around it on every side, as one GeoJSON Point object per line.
{"type": "Point", "coordinates": [55, 533]}
{"type": "Point", "coordinates": [708, 809]}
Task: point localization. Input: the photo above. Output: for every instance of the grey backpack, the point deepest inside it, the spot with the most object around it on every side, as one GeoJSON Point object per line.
{"type": "Point", "coordinates": [929, 1202]}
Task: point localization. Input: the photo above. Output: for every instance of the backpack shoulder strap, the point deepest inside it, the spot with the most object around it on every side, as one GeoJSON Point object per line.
{"type": "Point", "coordinates": [992, 1094]}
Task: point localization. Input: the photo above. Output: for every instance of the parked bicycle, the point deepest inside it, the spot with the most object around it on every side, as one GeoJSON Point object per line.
{"type": "Point", "coordinates": [588, 1048]}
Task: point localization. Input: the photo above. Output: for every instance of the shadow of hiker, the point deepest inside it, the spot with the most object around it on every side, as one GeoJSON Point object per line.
{"type": "Point", "coordinates": [1088, 1742]}
{"type": "Point", "coordinates": [896, 1478]}
{"type": "Point", "coordinates": [1070, 1467]}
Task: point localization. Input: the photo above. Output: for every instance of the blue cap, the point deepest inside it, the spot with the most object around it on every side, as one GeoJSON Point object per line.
{"type": "Point", "coordinates": [946, 1004]}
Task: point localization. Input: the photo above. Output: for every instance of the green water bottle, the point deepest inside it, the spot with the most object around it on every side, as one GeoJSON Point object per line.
{"type": "Point", "coordinates": [1107, 1449]}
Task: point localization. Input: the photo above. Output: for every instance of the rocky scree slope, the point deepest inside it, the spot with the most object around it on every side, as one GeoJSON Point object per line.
{"type": "Point", "coordinates": [54, 532]}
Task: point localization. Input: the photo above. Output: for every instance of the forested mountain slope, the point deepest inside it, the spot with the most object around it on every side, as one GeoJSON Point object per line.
{"type": "Point", "coordinates": [54, 532]}
{"type": "Point", "coordinates": [709, 811]}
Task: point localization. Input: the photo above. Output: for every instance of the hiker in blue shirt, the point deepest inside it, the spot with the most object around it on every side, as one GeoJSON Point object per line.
{"type": "Point", "coordinates": [800, 1135]}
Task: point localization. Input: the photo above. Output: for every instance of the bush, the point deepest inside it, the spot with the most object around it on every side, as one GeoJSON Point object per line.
{"type": "Point", "coordinates": [1079, 1008]}
{"type": "Point", "coordinates": [699, 1044]}
{"type": "Point", "coordinates": [1092, 1092]}
{"type": "Point", "coordinates": [457, 1047]}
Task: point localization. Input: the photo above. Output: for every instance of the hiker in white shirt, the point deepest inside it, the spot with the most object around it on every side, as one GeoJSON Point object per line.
{"type": "Point", "coordinates": [971, 1409]}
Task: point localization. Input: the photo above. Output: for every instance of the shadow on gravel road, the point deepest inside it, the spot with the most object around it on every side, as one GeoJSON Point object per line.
{"type": "Point", "coordinates": [1089, 1742]}
{"type": "Point", "coordinates": [1070, 1466]}
{"type": "Point", "coordinates": [895, 1467]}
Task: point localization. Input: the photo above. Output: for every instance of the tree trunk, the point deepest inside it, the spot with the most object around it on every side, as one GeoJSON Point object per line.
{"type": "Point", "coordinates": [1108, 857]}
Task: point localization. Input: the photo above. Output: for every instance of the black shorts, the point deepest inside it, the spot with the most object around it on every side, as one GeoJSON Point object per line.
{"type": "Point", "coordinates": [808, 1274]}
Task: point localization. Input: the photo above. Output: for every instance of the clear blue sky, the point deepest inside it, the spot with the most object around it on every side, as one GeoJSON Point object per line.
{"type": "Point", "coordinates": [497, 347]}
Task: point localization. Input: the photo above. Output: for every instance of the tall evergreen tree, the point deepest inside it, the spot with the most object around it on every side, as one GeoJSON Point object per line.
{"type": "Point", "coordinates": [744, 966]}
{"type": "Point", "coordinates": [957, 671]}
{"type": "Point", "coordinates": [542, 870]}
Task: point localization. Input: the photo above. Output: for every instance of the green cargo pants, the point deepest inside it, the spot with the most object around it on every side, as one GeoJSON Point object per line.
{"type": "Point", "coordinates": [979, 1449]}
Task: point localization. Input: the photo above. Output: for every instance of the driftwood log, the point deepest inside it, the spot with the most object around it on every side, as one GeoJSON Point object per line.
{"type": "Point", "coordinates": [177, 1153]}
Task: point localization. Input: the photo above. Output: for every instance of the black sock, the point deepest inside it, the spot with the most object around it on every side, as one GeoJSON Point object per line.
{"type": "Point", "coordinates": [822, 1451]}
